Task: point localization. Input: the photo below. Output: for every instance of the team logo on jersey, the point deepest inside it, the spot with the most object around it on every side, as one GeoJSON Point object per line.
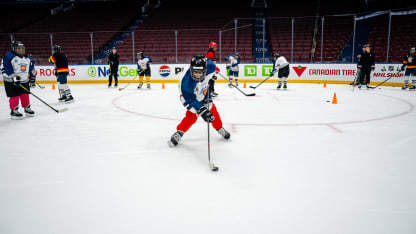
{"type": "Point", "coordinates": [23, 68]}
{"type": "Point", "coordinates": [299, 70]}
{"type": "Point", "coordinates": [164, 71]}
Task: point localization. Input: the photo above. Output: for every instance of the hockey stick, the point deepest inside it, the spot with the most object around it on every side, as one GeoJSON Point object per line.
{"type": "Point", "coordinates": [129, 83]}
{"type": "Point", "coordinates": [261, 82]}
{"type": "Point", "coordinates": [386, 80]}
{"type": "Point", "coordinates": [355, 79]}
{"type": "Point", "coordinates": [40, 86]}
{"type": "Point", "coordinates": [210, 164]}
{"type": "Point", "coordinates": [57, 111]}
{"type": "Point", "coordinates": [245, 94]}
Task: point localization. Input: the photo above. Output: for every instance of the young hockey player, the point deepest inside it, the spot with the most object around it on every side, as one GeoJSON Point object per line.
{"type": "Point", "coordinates": [15, 72]}
{"type": "Point", "coordinates": [409, 63]}
{"type": "Point", "coordinates": [195, 96]}
{"type": "Point", "coordinates": [281, 65]}
{"type": "Point", "coordinates": [32, 71]}
{"type": "Point", "coordinates": [143, 69]}
{"type": "Point", "coordinates": [211, 55]}
{"type": "Point", "coordinates": [234, 61]}
{"type": "Point", "coordinates": [113, 61]}
{"type": "Point", "coordinates": [61, 71]}
{"type": "Point", "coordinates": [366, 65]}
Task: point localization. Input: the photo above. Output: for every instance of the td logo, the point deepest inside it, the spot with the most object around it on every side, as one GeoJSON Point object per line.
{"type": "Point", "coordinates": [250, 70]}
{"type": "Point", "coordinates": [92, 71]}
{"type": "Point", "coordinates": [266, 70]}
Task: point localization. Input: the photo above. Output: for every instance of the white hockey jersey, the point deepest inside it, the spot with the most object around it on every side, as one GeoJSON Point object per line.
{"type": "Point", "coordinates": [14, 65]}
{"type": "Point", "coordinates": [280, 63]}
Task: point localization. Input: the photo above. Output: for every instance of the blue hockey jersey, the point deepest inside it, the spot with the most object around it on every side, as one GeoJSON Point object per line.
{"type": "Point", "coordinates": [194, 94]}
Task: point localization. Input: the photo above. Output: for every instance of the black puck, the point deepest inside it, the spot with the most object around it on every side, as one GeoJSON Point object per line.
{"type": "Point", "coordinates": [214, 169]}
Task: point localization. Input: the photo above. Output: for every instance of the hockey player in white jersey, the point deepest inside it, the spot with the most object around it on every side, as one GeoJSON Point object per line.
{"type": "Point", "coordinates": [232, 66]}
{"type": "Point", "coordinates": [15, 73]}
{"type": "Point", "coordinates": [143, 69]}
{"type": "Point", "coordinates": [281, 65]}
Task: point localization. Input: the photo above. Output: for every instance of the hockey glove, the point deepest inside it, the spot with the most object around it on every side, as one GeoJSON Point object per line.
{"type": "Point", "coordinates": [214, 77]}
{"type": "Point", "coordinates": [403, 67]}
{"type": "Point", "coordinates": [373, 67]}
{"type": "Point", "coordinates": [17, 80]}
{"type": "Point", "coordinates": [228, 67]}
{"type": "Point", "coordinates": [217, 70]}
{"type": "Point", "coordinates": [32, 81]}
{"type": "Point", "coordinates": [360, 67]}
{"type": "Point", "coordinates": [206, 114]}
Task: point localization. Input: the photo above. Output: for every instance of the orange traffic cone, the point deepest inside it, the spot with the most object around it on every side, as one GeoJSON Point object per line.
{"type": "Point", "coordinates": [324, 84]}
{"type": "Point", "coordinates": [334, 99]}
{"type": "Point", "coordinates": [245, 85]}
{"type": "Point", "coordinates": [53, 86]}
{"type": "Point", "coordinates": [163, 85]}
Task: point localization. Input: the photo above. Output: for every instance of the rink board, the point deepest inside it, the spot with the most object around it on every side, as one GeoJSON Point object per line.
{"type": "Point", "coordinates": [171, 73]}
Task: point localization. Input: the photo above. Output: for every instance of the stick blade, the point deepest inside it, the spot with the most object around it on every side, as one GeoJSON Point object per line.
{"type": "Point", "coordinates": [251, 94]}
{"type": "Point", "coordinates": [63, 110]}
{"type": "Point", "coordinates": [252, 87]}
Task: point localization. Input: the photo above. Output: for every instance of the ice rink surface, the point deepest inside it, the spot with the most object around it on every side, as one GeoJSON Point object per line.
{"type": "Point", "coordinates": [295, 163]}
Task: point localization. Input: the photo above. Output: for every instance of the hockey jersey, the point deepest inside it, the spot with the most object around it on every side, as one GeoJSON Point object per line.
{"type": "Point", "coordinates": [409, 61]}
{"type": "Point", "coordinates": [280, 63]}
{"type": "Point", "coordinates": [61, 62]}
{"type": "Point", "coordinates": [211, 55]}
{"type": "Point", "coordinates": [233, 62]}
{"type": "Point", "coordinates": [14, 65]}
{"type": "Point", "coordinates": [194, 94]}
{"type": "Point", "coordinates": [144, 63]}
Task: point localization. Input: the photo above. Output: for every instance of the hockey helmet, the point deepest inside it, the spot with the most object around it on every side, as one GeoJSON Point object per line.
{"type": "Point", "coordinates": [275, 56]}
{"type": "Point", "coordinates": [198, 65]}
{"type": "Point", "coordinates": [212, 44]}
{"type": "Point", "coordinates": [56, 48]}
{"type": "Point", "coordinates": [140, 54]}
{"type": "Point", "coordinates": [16, 44]}
{"type": "Point", "coordinates": [412, 50]}
{"type": "Point", "coordinates": [237, 55]}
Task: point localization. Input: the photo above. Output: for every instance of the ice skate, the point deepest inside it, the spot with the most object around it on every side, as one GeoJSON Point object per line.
{"type": "Point", "coordinates": [175, 138]}
{"type": "Point", "coordinates": [15, 114]}
{"type": "Point", "coordinates": [224, 133]}
{"type": "Point", "coordinates": [29, 112]}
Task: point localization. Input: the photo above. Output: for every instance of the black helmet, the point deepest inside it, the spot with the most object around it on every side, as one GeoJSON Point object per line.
{"type": "Point", "coordinates": [56, 48]}
{"type": "Point", "coordinates": [15, 44]}
{"type": "Point", "coordinates": [198, 65]}
{"type": "Point", "coordinates": [237, 55]}
{"type": "Point", "coordinates": [275, 56]}
{"type": "Point", "coordinates": [140, 54]}
{"type": "Point", "coordinates": [413, 49]}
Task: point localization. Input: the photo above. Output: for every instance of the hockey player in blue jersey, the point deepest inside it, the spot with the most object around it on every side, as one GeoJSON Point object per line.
{"type": "Point", "coordinates": [195, 97]}
{"type": "Point", "coordinates": [234, 61]}
{"type": "Point", "coordinates": [32, 71]}
{"type": "Point", "coordinates": [16, 74]}
{"type": "Point", "coordinates": [143, 69]}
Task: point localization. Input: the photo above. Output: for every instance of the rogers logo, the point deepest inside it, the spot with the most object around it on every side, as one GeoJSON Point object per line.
{"type": "Point", "coordinates": [299, 70]}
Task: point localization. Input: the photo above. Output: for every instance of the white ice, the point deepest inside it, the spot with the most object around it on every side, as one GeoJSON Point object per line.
{"type": "Point", "coordinates": [295, 163]}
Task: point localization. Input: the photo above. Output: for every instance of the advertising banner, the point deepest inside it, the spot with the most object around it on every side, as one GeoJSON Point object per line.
{"type": "Point", "coordinates": [299, 72]}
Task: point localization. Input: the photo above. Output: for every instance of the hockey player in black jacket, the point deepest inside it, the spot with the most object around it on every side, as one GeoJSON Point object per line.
{"type": "Point", "coordinates": [61, 71]}
{"type": "Point", "coordinates": [409, 63]}
{"type": "Point", "coordinates": [113, 61]}
{"type": "Point", "coordinates": [366, 65]}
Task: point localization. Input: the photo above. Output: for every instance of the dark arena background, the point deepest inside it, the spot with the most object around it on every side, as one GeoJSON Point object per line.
{"type": "Point", "coordinates": [312, 131]}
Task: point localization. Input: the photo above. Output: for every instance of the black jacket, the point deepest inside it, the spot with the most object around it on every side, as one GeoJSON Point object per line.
{"type": "Point", "coordinates": [61, 62]}
{"type": "Point", "coordinates": [113, 60]}
{"type": "Point", "coordinates": [367, 60]}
